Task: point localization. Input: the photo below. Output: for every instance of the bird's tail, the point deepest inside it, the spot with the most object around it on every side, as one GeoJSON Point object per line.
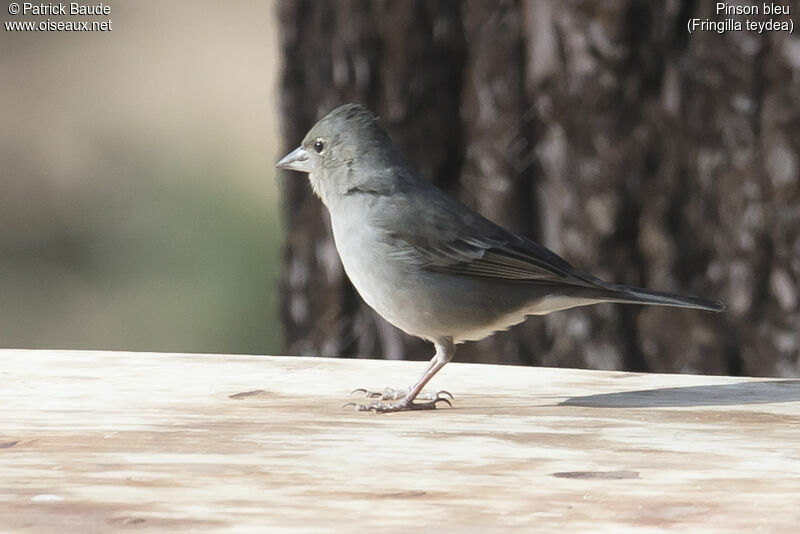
{"type": "Point", "coordinates": [638, 295]}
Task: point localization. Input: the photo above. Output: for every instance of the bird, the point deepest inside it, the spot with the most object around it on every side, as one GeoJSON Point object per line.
{"type": "Point", "coordinates": [430, 265]}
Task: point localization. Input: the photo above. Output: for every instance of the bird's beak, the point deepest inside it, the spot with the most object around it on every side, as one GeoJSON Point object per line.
{"type": "Point", "coordinates": [296, 160]}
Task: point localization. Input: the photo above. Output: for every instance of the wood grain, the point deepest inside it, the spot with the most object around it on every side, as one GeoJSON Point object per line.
{"type": "Point", "coordinates": [113, 441]}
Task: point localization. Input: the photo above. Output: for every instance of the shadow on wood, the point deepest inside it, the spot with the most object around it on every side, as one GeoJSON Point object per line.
{"type": "Point", "coordinates": [714, 395]}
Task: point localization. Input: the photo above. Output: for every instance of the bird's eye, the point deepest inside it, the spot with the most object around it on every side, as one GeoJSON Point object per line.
{"type": "Point", "coordinates": [319, 146]}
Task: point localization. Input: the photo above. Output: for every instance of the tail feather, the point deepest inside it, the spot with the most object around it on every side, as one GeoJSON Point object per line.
{"type": "Point", "coordinates": [638, 295]}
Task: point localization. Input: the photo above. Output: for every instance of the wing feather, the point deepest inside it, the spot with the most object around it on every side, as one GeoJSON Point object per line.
{"type": "Point", "coordinates": [447, 237]}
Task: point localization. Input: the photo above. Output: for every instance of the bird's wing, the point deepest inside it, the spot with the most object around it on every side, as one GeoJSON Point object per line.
{"type": "Point", "coordinates": [503, 256]}
{"type": "Point", "coordinates": [448, 237]}
{"type": "Point", "coordinates": [510, 259]}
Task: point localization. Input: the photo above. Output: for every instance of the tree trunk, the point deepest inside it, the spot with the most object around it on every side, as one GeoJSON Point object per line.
{"type": "Point", "coordinates": [604, 130]}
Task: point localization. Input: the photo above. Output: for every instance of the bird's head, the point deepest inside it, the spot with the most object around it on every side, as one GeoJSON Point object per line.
{"type": "Point", "coordinates": [346, 149]}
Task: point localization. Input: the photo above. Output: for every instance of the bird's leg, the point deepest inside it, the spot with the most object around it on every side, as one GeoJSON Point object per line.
{"type": "Point", "coordinates": [396, 394]}
{"type": "Point", "coordinates": [404, 399]}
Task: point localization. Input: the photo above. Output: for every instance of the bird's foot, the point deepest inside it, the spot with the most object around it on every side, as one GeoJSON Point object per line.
{"type": "Point", "coordinates": [397, 394]}
{"type": "Point", "coordinates": [402, 405]}
{"type": "Point", "coordinates": [386, 394]}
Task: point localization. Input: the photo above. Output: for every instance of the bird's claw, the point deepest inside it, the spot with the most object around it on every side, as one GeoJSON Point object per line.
{"type": "Point", "coordinates": [386, 394]}
{"type": "Point", "coordinates": [397, 394]}
{"type": "Point", "coordinates": [399, 406]}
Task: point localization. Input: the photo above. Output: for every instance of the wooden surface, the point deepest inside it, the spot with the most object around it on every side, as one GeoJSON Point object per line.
{"type": "Point", "coordinates": [105, 441]}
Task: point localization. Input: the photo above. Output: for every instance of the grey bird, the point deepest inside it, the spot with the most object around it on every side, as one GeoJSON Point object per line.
{"type": "Point", "coordinates": [428, 264]}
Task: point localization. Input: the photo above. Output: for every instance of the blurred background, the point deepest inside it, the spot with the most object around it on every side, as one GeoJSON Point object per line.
{"type": "Point", "coordinates": [139, 207]}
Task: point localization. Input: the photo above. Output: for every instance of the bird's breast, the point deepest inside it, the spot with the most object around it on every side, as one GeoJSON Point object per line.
{"type": "Point", "coordinates": [369, 260]}
{"type": "Point", "coordinates": [426, 304]}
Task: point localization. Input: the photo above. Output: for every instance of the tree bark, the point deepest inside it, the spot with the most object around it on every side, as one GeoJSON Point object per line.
{"type": "Point", "coordinates": [604, 130]}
